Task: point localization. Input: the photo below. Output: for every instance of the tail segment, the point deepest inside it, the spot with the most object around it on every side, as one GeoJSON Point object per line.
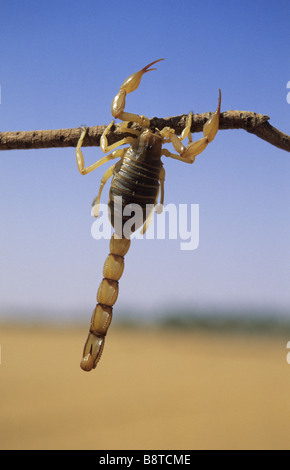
{"type": "Point", "coordinates": [106, 297]}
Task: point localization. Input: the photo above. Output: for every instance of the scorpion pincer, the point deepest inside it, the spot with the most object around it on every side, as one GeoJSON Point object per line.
{"type": "Point", "coordinates": [138, 177]}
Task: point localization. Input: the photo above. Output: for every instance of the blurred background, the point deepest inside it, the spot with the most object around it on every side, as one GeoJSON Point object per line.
{"type": "Point", "coordinates": [61, 65]}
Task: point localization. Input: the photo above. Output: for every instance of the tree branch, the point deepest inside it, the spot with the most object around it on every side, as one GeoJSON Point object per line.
{"type": "Point", "coordinates": [249, 121]}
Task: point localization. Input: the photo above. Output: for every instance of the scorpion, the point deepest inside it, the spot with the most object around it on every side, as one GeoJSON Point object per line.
{"type": "Point", "coordinates": [138, 177]}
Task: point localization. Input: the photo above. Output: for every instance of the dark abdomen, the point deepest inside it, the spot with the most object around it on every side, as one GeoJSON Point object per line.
{"type": "Point", "coordinates": [135, 181]}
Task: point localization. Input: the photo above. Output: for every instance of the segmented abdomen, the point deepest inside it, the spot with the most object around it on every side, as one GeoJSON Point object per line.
{"type": "Point", "coordinates": [134, 182]}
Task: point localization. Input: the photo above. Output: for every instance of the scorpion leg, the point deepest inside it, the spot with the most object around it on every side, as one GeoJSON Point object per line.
{"type": "Point", "coordinates": [186, 131]}
{"type": "Point", "coordinates": [104, 141]}
{"type": "Point", "coordinates": [80, 158]}
{"type": "Point", "coordinates": [188, 154]}
{"type": "Point", "coordinates": [129, 85]}
{"type": "Point", "coordinates": [106, 177]}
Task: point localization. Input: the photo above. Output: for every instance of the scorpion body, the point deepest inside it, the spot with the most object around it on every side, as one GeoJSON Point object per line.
{"type": "Point", "coordinates": [137, 179]}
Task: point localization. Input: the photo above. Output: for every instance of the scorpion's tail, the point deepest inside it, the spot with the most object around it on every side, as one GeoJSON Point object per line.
{"type": "Point", "coordinates": [107, 296]}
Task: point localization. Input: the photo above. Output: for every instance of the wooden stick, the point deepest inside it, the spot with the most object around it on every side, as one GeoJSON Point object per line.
{"type": "Point", "coordinates": [249, 121]}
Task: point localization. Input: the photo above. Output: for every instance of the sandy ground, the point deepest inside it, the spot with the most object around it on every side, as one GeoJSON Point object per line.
{"type": "Point", "coordinates": [153, 390]}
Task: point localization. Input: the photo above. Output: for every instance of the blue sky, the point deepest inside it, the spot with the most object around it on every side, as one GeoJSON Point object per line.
{"type": "Point", "coordinates": [61, 65]}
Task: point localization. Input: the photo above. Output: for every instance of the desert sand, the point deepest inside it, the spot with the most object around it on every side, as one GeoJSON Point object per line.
{"type": "Point", "coordinates": [153, 390]}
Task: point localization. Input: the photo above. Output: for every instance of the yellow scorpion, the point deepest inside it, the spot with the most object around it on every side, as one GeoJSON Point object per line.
{"type": "Point", "coordinates": [137, 178]}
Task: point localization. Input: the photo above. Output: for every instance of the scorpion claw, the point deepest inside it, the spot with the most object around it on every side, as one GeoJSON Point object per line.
{"type": "Point", "coordinates": [211, 126]}
{"type": "Point", "coordinates": [147, 69]}
{"type": "Point", "coordinates": [133, 81]}
{"type": "Point", "coordinates": [128, 86]}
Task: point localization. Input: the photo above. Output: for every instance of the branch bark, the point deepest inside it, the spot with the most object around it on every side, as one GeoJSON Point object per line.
{"type": "Point", "coordinates": [249, 121]}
